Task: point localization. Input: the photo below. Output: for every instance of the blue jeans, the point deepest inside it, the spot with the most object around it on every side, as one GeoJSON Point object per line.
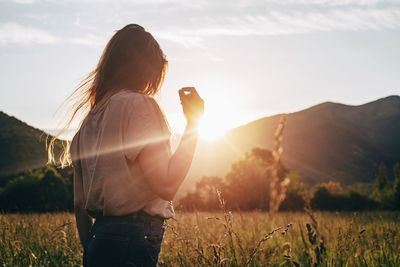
{"type": "Point", "coordinates": [124, 241]}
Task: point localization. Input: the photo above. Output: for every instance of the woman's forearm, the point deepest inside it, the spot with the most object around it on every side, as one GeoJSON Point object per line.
{"type": "Point", "coordinates": [165, 173]}
{"type": "Point", "coordinates": [181, 160]}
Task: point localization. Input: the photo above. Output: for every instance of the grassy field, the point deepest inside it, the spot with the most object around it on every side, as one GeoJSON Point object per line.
{"type": "Point", "coordinates": [225, 239]}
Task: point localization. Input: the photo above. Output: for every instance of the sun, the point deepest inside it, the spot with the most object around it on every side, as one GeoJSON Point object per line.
{"type": "Point", "coordinates": [220, 115]}
{"type": "Point", "coordinates": [212, 129]}
{"type": "Point", "coordinates": [223, 111]}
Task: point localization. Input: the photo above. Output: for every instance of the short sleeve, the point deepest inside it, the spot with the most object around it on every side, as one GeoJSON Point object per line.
{"type": "Point", "coordinates": [74, 152]}
{"type": "Point", "coordinates": [77, 176]}
{"type": "Point", "coordinates": [145, 124]}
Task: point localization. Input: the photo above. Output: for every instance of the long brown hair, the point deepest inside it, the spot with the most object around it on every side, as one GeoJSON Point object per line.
{"type": "Point", "coordinates": [132, 60]}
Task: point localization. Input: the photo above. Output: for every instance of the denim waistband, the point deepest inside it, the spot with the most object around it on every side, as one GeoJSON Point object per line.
{"type": "Point", "coordinates": [138, 216]}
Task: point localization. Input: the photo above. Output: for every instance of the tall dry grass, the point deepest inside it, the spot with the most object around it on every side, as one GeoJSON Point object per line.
{"type": "Point", "coordinates": [222, 239]}
{"type": "Point", "coordinates": [288, 239]}
{"type": "Point", "coordinates": [277, 185]}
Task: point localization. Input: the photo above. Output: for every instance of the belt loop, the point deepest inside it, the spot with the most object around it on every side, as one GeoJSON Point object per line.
{"type": "Point", "coordinates": [134, 217]}
{"type": "Point", "coordinates": [147, 225]}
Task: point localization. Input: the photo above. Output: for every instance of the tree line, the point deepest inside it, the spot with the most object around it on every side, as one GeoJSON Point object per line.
{"type": "Point", "coordinates": [247, 186]}
{"type": "Point", "coordinates": [43, 190]}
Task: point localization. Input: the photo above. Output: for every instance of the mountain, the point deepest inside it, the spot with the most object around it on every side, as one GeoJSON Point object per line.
{"type": "Point", "coordinates": [329, 141]}
{"type": "Point", "coordinates": [21, 146]}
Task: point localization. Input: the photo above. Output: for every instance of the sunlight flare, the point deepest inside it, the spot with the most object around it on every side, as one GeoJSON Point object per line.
{"type": "Point", "coordinates": [221, 114]}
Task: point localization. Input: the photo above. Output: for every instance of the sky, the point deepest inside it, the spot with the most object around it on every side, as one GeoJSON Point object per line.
{"type": "Point", "coordinates": [248, 59]}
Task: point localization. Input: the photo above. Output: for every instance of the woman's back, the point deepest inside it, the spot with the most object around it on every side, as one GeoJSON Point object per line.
{"type": "Point", "coordinates": [106, 148]}
{"type": "Point", "coordinates": [125, 175]}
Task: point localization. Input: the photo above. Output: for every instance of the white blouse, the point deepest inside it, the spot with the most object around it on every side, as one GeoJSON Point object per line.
{"type": "Point", "coordinates": [104, 154]}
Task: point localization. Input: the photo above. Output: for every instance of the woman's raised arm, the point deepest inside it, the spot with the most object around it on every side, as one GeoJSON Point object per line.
{"type": "Point", "coordinates": [166, 172]}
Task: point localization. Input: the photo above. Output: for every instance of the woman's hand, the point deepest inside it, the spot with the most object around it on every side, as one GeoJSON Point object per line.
{"type": "Point", "coordinates": [192, 104]}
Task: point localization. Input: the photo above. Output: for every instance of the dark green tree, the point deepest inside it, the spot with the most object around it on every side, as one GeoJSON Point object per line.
{"type": "Point", "coordinates": [382, 177]}
{"type": "Point", "coordinates": [244, 187]}
{"type": "Point", "coordinates": [41, 190]}
{"type": "Point", "coordinates": [205, 195]}
{"type": "Point", "coordinates": [295, 194]}
{"type": "Point", "coordinates": [396, 186]}
{"type": "Point", "coordinates": [21, 194]}
{"type": "Point", "coordinates": [396, 171]}
{"type": "Point", "coordinates": [53, 191]}
{"type": "Point", "coordinates": [349, 201]}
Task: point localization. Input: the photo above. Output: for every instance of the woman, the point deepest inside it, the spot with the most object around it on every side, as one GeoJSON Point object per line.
{"type": "Point", "coordinates": [124, 173]}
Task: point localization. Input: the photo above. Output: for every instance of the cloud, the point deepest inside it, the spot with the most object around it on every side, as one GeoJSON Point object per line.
{"type": "Point", "coordinates": [12, 33]}
{"type": "Point", "coordinates": [275, 23]}
{"type": "Point", "coordinates": [88, 40]}
{"type": "Point", "coordinates": [192, 26]}
{"type": "Point", "coordinates": [24, 1]}
{"type": "Point", "coordinates": [317, 2]}
{"type": "Point", "coordinates": [180, 38]}
{"type": "Point", "coordinates": [283, 23]}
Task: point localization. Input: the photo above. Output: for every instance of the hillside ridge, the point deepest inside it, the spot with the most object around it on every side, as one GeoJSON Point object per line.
{"type": "Point", "coordinates": [327, 141]}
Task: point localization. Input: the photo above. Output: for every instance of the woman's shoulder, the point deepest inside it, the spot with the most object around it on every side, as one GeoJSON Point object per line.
{"type": "Point", "coordinates": [126, 96]}
{"type": "Point", "coordinates": [139, 108]}
{"type": "Point", "coordinates": [134, 102]}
